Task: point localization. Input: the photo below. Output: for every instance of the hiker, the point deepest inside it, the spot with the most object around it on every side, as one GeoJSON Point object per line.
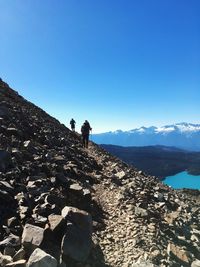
{"type": "Point", "coordinates": [85, 130]}
{"type": "Point", "coordinates": [72, 122]}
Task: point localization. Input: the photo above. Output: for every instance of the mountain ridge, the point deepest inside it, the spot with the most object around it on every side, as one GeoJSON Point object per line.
{"type": "Point", "coordinates": [160, 161]}
{"type": "Point", "coordinates": [182, 135]}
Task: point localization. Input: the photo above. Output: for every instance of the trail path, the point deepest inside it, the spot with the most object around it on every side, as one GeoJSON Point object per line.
{"type": "Point", "coordinates": [123, 231]}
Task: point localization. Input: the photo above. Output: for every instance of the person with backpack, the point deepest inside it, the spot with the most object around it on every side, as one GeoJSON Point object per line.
{"type": "Point", "coordinates": [85, 131]}
{"type": "Point", "coordinates": [72, 122]}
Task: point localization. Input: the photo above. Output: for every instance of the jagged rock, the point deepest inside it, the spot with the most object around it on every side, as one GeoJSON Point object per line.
{"type": "Point", "coordinates": [178, 252]}
{"type": "Point", "coordinates": [170, 217]}
{"type": "Point", "coordinates": [39, 258]}
{"type": "Point", "coordinates": [19, 263]}
{"type": "Point", "coordinates": [196, 263]}
{"type": "Point", "coordinates": [6, 186]}
{"type": "Point", "coordinates": [56, 222]}
{"type": "Point", "coordinates": [19, 255]}
{"type": "Point", "coordinates": [14, 131]}
{"type": "Point", "coordinates": [76, 188]}
{"type": "Point", "coordinates": [120, 174]}
{"type": "Point", "coordinates": [12, 222]}
{"type": "Point", "coordinates": [10, 251]}
{"type": "Point", "coordinates": [32, 237]}
{"type": "Point", "coordinates": [11, 241]}
{"type": "Point", "coordinates": [141, 212]}
{"type": "Point", "coordinates": [4, 259]}
{"type": "Point", "coordinates": [77, 241]}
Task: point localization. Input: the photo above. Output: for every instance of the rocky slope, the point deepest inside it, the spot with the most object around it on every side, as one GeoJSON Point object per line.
{"type": "Point", "coordinates": [62, 205]}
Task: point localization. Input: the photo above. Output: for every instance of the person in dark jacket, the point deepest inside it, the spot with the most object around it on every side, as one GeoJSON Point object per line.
{"type": "Point", "coordinates": [72, 122]}
{"type": "Point", "coordinates": [85, 131]}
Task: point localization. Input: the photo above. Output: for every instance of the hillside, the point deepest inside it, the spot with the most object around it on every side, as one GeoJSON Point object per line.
{"type": "Point", "coordinates": [62, 205]}
{"type": "Point", "coordinates": [159, 161]}
{"type": "Point", "coordinates": [181, 135]}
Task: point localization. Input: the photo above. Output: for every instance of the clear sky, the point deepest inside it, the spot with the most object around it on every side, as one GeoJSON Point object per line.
{"type": "Point", "coordinates": [120, 64]}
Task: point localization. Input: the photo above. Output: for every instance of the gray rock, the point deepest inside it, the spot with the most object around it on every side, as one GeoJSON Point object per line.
{"type": "Point", "coordinates": [4, 259]}
{"type": "Point", "coordinates": [19, 263]}
{"type": "Point", "coordinates": [10, 251]}
{"type": "Point", "coordinates": [141, 212]}
{"type": "Point", "coordinates": [120, 174]}
{"type": "Point", "coordinates": [77, 241]}
{"type": "Point", "coordinates": [56, 222]}
{"type": "Point", "coordinates": [196, 263]}
{"type": "Point", "coordinates": [19, 255]}
{"type": "Point", "coordinates": [76, 188]}
{"type": "Point", "coordinates": [32, 237]}
{"type": "Point", "coordinates": [11, 241]}
{"type": "Point", "coordinates": [6, 186]}
{"type": "Point", "coordinates": [39, 258]}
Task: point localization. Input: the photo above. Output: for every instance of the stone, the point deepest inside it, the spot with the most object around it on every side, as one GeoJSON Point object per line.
{"type": "Point", "coordinates": [56, 222]}
{"type": "Point", "coordinates": [120, 174]}
{"type": "Point", "coordinates": [11, 241]}
{"type": "Point", "coordinates": [179, 252]}
{"type": "Point", "coordinates": [195, 263]}
{"type": "Point", "coordinates": [27, 144]}
{"type": "Point", "coordinates": [171, 217]}
{"type": "Point", "coordinates": [76, 188]}
{"type": "Point", "coordinates": [39, 258]}
{"type": "Point", "coordinates": [4, 259]}
{"type": "Point", "coordinates": [19, 263]}
{"type": "Point", "coordinates": [141, 212]}
{"type": "Point", "coordinates": [32, 237]}
{"type": "Point", "coordinates": [10, 251]}
{"type": "Point", "coordinates": [14, 131]}
{"type": "Point", "coordinates": [12, 222]}
{"type": "Point", "coordinates": [6, 186]}
{"type": "Point", "coordinates": [19, 255]}
{"type": "Point", "coordinates": [77, 241]}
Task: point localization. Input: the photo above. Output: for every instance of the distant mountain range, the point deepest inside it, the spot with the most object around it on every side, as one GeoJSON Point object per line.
{"type": "Point", "coordinates": [159, 161]}
{"type": "Point", "coordinates": [182, 135]}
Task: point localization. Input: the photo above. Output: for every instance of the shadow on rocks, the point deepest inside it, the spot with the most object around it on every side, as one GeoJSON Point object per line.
{"type": "Point", "coordinates": [95, 259]}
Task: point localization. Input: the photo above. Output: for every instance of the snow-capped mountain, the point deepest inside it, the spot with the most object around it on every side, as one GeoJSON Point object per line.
{"type": "Point", "coordinates": [183, 135]}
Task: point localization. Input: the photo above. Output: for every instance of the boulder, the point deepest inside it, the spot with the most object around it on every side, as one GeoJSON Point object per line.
{"type": "Point", "coordinates": [77, 241]}
{"type": "Point", "coordinates": [39, 258]}
{"type": "Point", "coordinates": [32, 237]}
{"type": "Point", "coordinates": [56, 222]}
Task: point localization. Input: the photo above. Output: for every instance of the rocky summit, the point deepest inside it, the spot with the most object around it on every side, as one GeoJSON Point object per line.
{"type": "Point", "coordinates": [63, 205]}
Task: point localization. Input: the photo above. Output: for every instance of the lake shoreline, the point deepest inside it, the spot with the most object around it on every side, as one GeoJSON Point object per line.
{"type": "Point", "coordinates": [183, 180]}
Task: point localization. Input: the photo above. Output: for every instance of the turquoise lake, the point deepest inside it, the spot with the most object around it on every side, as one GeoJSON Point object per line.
{"type": "Point", "coordinates": [183, 180]}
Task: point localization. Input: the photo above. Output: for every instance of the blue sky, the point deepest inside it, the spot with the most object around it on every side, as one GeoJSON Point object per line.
{"type": "Point", "coordinates": [119, 64]}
